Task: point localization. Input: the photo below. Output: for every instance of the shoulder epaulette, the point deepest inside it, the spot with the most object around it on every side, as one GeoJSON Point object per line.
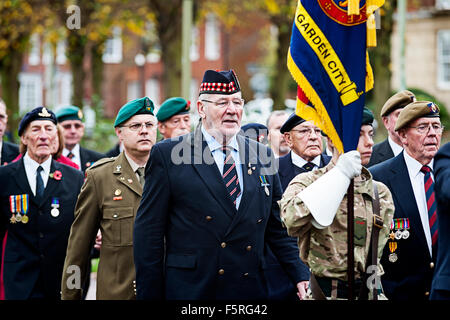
{"type": "Point", "coordinates": [101, 162]}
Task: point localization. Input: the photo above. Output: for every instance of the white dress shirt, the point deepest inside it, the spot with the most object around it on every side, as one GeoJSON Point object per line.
{"type": "Point", "coordinates": [76, 152]}
{"type": "Point", "coordinates": [396, 149]}
{"type": "Point", "coordinates": [416, 177]}
{"type": "Point", "coordinates": [219, 158]}
{"type": "Point", "coordinates": [300, 162]}
{"type": "Point", "coordinates": [31, 171]}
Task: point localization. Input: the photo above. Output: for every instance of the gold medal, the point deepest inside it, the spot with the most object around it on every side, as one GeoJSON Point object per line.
{"type": "Point", "coordinates": [13, 219]}
{"type": "Point", "coordinates": [392, 235]}
{"type": "Point", "coordinates": [25, 219]}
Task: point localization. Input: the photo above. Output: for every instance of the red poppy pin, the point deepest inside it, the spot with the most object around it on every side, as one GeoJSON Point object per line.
{"type": "Point", "coordinates": [57, 175]}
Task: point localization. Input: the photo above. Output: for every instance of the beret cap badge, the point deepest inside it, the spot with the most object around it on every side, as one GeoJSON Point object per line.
{"type": "Point", "coordinates": [44, 113]}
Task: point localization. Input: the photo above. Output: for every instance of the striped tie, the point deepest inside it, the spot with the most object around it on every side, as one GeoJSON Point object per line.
{"type": "Point", "coordinates": [431, 203]}
{"type": "Point", "coordinates": [229, 176]}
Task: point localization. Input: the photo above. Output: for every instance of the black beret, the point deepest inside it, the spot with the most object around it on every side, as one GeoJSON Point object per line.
{"type": "Point", "coordinates": [255, 131]}
{"type": "Point", "coordinates": [367, 117]}
{"type": "Point", "coordinates": [291, 122]}
{"type": "Point", "coordinates": [219, 82]}
{"type": "Point", "coordinates": [39, 113]}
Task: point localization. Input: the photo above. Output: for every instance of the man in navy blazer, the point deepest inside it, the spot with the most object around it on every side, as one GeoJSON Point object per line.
{"type": "Point", "coordinates": [8, 151]}
{"type": "Point", "coordinates": [441, 280]}
{"type": "Point", "coordinates": [37, 202]}
{"type": "Point", "coordinates": [206, 214]}
{"type": "Point", "coordinates": [409, 257]}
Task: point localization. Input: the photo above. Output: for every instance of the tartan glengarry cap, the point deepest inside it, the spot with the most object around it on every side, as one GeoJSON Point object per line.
{"type": "Point", "coordinates": [399, 100]}
{"type": "Point", "coordinates": [416, 110]}
{"type": "Point", "coordinates": [291, 122]}
{"type": "Point", "coordinates": [39, 113]}
{"type": "Point", "coordinates": [172, 107]}
{"type": "Point", "coordinates": [219, 82]}
{"type": "Point", "coordinates": [138, 106]}
{"type": "Point", "coordinates": [69, 113]}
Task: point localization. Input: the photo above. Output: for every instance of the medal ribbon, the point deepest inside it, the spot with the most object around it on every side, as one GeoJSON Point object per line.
{"type": "Point", "coordinates": [392, 246]}
{"type": "Point", "coordinates": [18, 203]}
{"type": "Point", "coordinates": [24, 202]}
{"type": "Point", "coordinates": [263, 180]}
{"type": "Point", "coordinates": [55, 202]}
{"type": "Point", "coordinates": [12, 203]}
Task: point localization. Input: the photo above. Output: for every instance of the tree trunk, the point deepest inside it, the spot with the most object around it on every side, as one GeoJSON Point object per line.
{"type": "Point", "coordinates": [97, 72]}
{"type": "Point", "coordinates": [280, 80]}
{"type": "Point", "coordinates": [75, 55]}
{"type": "Point", "coordinates": [9, 73]}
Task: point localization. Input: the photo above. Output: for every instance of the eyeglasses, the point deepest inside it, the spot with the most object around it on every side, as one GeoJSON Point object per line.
{"type": "Point", "coordinates": [307, 131]}
{"type": "Point", "coordinates": [238, 103]}
{"type": "Point", "coordinates": [138, 126]}
{"type": "Point", "coordinates": [425, 128]}
{"type": "Point", "coordinates": [67, 126]}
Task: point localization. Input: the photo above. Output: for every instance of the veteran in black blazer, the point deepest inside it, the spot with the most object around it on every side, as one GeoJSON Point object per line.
{"type": "Point", "coordinates": [36, 216]}
{"type": "Point", "coordinates": [194, 238]}
{"type": "Point", "coordinates": [9, 152]}
{"type": "Point", "coordinates": [409, 258]}
{"type": "Point", "coordinates": [441, 280]}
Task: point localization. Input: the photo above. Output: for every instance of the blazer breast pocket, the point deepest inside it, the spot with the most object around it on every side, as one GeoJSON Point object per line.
{"type": "Point", "coordinates": [117, 224]}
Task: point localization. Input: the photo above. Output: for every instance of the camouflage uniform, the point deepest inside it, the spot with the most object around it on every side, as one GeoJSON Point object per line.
{"type": "Point", "coordinates": [325, 250]}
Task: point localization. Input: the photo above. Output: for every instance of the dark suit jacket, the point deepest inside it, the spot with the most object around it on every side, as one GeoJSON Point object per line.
{"type": "Point", "coordinates": [88, 157]}
{"type": "Point", "coordinates": [381, 151]}
{"type": "Point", "coordinates": [9, 152]}
{"type": "Point", "coordinates": [211, 250]}
{"type": "Point", "coordinates": [34, 253]}
{"type": "Point", "coordinates": [441, 280]}
{"type": "Point", "coordinates": [113, 152]}
{"type": "Point", "coordinates": [287, 170]}
{"type": "Point", "coordinates": [409, 278]}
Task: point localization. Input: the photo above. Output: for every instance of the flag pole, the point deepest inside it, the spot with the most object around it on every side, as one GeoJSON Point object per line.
{"type": "Point", "coordinates": [350, 240]}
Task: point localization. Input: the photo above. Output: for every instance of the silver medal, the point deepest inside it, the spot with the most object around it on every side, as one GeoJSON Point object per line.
{"type": "Point", "coordinates": [54, 212]}
{"type": "Point", "coordinates": [393, 257]}
{"type": "Point", "coordinates": [18, 217]}
{"type": "Point", "coordinates": [266, 190]}
{"type": "Point", "coordinates": [398, 234]}
{"type": "Point", "coordinates": [405, 234]}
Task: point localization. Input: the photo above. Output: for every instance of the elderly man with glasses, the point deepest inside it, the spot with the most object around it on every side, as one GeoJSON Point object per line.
{"type": "Point", "coordinates": [410, 256]}
{"type": "Point", "coordinates": [209, 207]}
{"type": "Point", "coordinates": [108, 201]}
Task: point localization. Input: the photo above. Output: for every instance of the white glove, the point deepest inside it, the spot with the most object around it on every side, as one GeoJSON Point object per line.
{"type": "Point", "coordinates": [350, 164]}
{"type": "Point", "coordinates": [324, 195]}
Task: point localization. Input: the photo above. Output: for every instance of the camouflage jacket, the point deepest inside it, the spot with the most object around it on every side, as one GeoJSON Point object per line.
{"type": "Point", "coordinates": [325, 250]}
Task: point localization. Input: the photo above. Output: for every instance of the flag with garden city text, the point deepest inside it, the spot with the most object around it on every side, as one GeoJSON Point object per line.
{"type": "Point", "coordinates": [328, 59]}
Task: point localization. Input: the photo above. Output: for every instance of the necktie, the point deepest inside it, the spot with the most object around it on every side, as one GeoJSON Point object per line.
{"type": "Point", "coordinates": [431, 203]}
{"type": "Point", "coordinates": [70, 155]}
{"type": "Point", "coordinates": [308, 166]}
{"type": "Point", "coordinates": [39, 183]}
{"type": "Point", "coordinates": [229, 176]}
{"type": "Point", "coordinates": [140, 171]}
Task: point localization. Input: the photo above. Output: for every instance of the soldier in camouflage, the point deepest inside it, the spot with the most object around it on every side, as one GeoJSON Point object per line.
{"type": "Point", "coordinates": [314, 209]}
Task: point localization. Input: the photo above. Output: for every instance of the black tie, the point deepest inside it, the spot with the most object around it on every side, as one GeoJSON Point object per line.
{"type": "Point", "coordinates": [70, 155]}
{"type": "Point", "coordinates": [230, 177]}
{"type": "Point", "coordinates": [39, 183]}
{"type": "Point", "coordinates": [309, 166]}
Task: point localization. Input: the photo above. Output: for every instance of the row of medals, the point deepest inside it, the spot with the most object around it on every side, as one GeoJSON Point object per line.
{"type": "Point", "coordinates": [399, 234]}
{"type": "Point", "coordinates": [24, 218]}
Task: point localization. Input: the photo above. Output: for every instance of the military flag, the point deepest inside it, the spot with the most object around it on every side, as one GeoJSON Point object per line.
{"type": "Point", "coordinates": [328, 59]}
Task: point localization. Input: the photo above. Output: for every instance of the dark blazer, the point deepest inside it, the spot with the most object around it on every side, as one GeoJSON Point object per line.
{"type": "Point", "coordinates": [190, 242]}
{"type": "Point", "coordinates": [441, 280]}
{"type": "Point", "coordinates": [34, 253]}
{"type": "Point", "coordinates": [88, 157]}
{"type": "Point", "coordinates": [113, 152]}
{"type": "Point", "coordinates": [287, 170]}
{"type": "Point", "coordinates": [9, 152]}
{"type": "Point", "coordinates": [409, 278]}
{"type": "Point", "coordinates": [381, 151]}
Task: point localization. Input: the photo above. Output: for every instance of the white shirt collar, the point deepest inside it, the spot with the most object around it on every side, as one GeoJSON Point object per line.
{"type": "Point", "coordinates": [413, 165]}
{"type": "Point", "coordinates": [300, 162]}
{"type": "Point", "coordinates": [214, 145]}
{"type": "Point", "coordinates": [75, 150]}
{"type": "Point", "coordinates": [33, 165]}
{"type": "Point", "coordinates": [396, 149]}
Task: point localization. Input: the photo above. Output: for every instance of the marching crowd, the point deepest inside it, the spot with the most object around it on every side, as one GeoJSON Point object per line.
{"type": "Point", "coordinates": [225, 212]}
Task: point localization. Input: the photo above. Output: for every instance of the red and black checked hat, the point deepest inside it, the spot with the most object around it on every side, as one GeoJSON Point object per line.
{"type": "Point", "coordinates": [219, 82]}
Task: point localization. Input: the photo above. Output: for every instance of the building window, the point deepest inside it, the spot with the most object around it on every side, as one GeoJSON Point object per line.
{"type": "Point", "coordinates": [30, 92]}
{"type": "Point", "coordinates": [133, 90]}
{"type": "Point", "coordinates": [113, 47]}
{"type": "Point", "coordinates": [443, 4]}
{"type": "Point", "coordinates": [61, 52]}
{"type": "Point", "coordinates": [212, 38]}
{"type": "Point", "coordinates": [195, 44]}
{"type": "Point", "coordinates": [443, 59]}
{"type": "Point", "coordinates": [152, 90]}
{"type": "Point", "coordinates": [34, 58]}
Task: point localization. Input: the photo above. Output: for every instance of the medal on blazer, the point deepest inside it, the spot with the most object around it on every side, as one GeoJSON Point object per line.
{"type": "Point", "coordinates": [55, 208]}
{"type": "Point", "coordinates": [264, 184]}
{"type": "Point", "coordinates": [17, 208]}
{"type": "Point", "coordinates": [24, 207]}
{"type": "Point", "coordinates": [250, 169]}
{"type": "Point", "coordinates": [392, 247]}
{"type": "Point", "coordinates": [12, 206]}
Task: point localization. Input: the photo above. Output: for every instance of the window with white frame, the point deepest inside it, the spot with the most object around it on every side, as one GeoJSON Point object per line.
{"type": "Point", "coordinates": [152, 90]}
{"type": "Point", "coordinates": [34, 57]}
{"type": "Point", "coordinates": [64, 88]}
{"type": "Point", "coordinates": [61, 52]}
{"type": "Point", "coordinates": [443, 4]}
{"type": "Point", "coordinates": [30, 91]}
{"type": "Point", "coordinates": [133, 90]}
{"type": "Point", "coordinates": [443, 59]}
{"type": "Point", "coordinates": [212, 38]}
{"type": "Point", "coordinates": [195, 44]}
{"type": "Point", "coordinates": [113, 47]}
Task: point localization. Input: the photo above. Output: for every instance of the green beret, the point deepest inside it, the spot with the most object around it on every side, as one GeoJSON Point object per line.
{"type": "Point", "coordinates": [172, 107]}
{"type": "Point", "coordinates": [399, 100]}
{"type": "Point", "coordinates": [134, 107]}
{"type": "Point", "coordinates": [367, 117]}
{"type": "Point", "coordinates": [69, 113]}
{"type": "Point", "coordinates": [416, 110]}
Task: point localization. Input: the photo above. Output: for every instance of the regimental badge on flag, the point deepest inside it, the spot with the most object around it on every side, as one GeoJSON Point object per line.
{"type": "Point", "coordinates": [328, 59]}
